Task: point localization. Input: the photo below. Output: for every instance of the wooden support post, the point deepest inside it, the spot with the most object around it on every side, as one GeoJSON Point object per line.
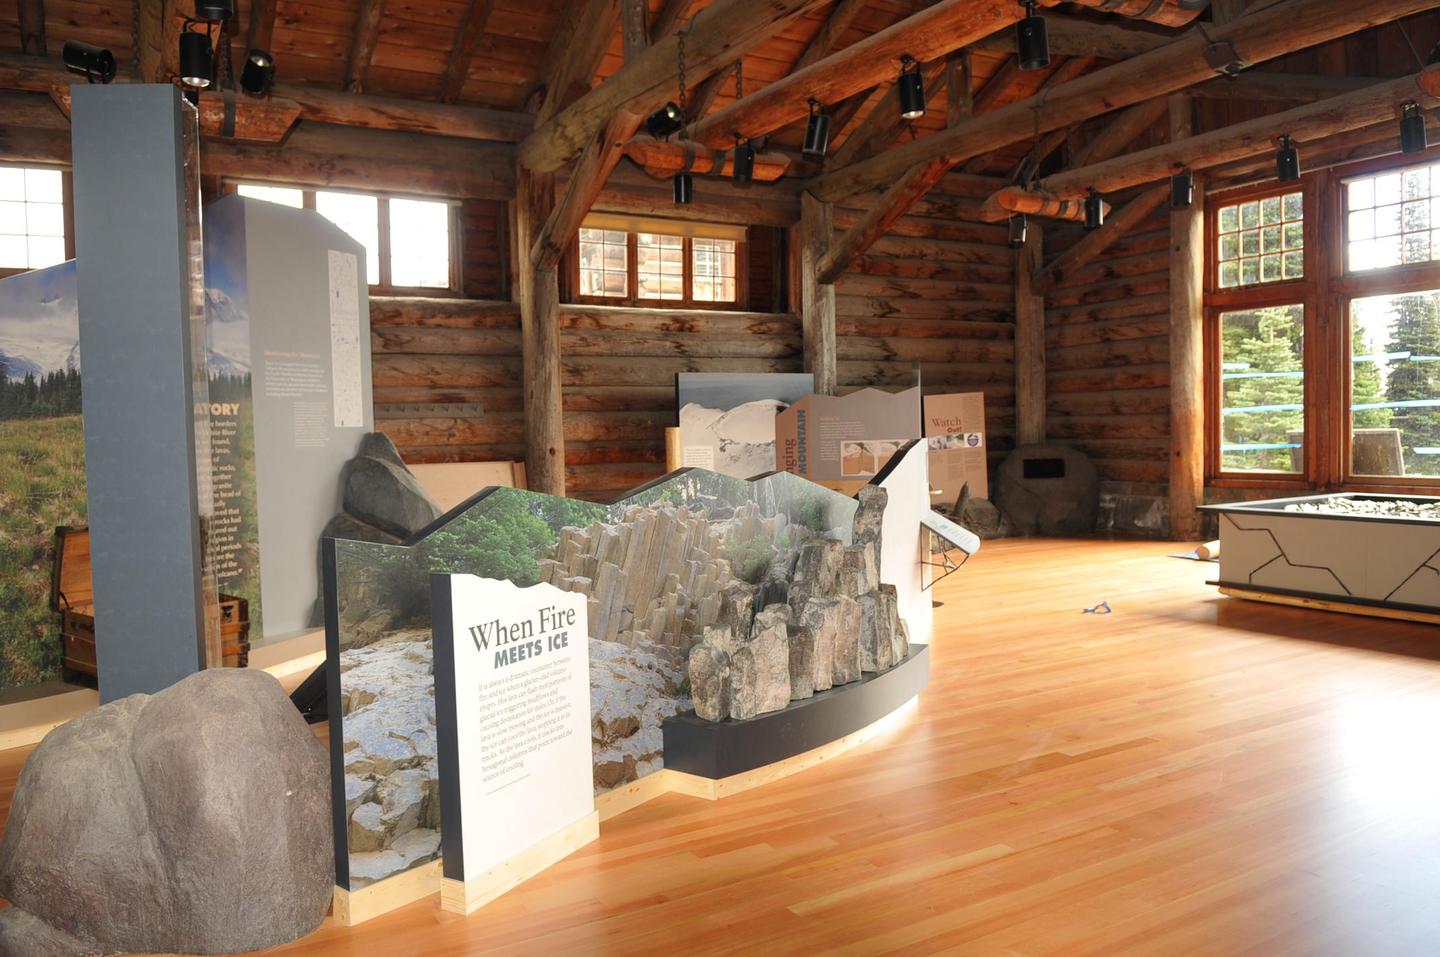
{"type": "Point", "coordinates": [817, 299]}
{"type": "Point", "coordinates": [959, 87]}
{"type": "Point", "coordinates": [1029, 342]}
{"type": "Point", "coordinates": [262, 25]}
{"type": "Point", "coordinates": [538, 291]}
{"type": "Point", "coordinates": [1187, 318]}
{"type": "Point", "coordinates": [588, 177]}
{"type": "Point", "coordinates": [634, 27]}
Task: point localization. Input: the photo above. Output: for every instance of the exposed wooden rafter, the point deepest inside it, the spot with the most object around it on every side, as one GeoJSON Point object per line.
{"type": "Point", "coordinates": [959, 87]}
{"type": "Point", "coordinates": [587, 179]}
{"type": "Point", "coordinates": [727, 30]}
{"type": "Point", "coordinates": [1338, 114]}
{"type": "Point", "coordinates": [827, 41]}
{"type": "Point", "coordinates": [32, 27]}
{"type": "Point", "coordinates": [673, 16]}
{"type": "Point", "coordinates": [884, 124]}
{"type": "Point", "coordinates": [1071, 36]}
{"type": "Point", "coordinates": [1259, 36]}
{"type": "Point", "coordinates": [362, 45]}
{"type": "Point", "coordinates": [892, 204]}
{"type": "Point", "coordinates": [1294, 87]}
{"type": "Point", "coordinates": [467, 42]}
{"type": "Point", "coordinates": [926, 35]}
{"type": "Point", "coordinates": [574, 56]}
{"type": "Point", "coordinates": [1117, 225]}
{"type": "Point", "coordinates": [1120, 131]}
{"type": "Point", "coordinates": [1068, 69]}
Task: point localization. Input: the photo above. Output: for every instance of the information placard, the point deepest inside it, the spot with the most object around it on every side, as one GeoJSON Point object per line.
{"type": "Point", "coordinates": [512, 710]}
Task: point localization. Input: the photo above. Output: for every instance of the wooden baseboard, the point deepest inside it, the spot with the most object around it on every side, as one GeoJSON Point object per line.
{"type": "Point", "coordinates": [1322, 604]}
{"type": "Point", "coordinates": [466, 897]}
{"type": "Point", "coordinates": [358, 906]}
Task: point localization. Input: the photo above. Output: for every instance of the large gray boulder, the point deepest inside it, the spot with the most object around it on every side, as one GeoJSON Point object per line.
{"type": "Point", "coordinates": [1048, 489]}
{"type": "Point", "coordinates": [384, 494]}
{"type": "Point", "coordinates": [22, 934]}
{"type": "Point", "coordinates": [195, 820]}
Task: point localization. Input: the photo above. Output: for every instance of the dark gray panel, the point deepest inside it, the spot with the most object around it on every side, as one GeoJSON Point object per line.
{"type": "Point", "coordinates": [135, 340]}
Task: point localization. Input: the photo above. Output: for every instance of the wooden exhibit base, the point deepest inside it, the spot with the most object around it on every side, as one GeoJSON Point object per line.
{"type": "Point", "coordinates": [358, 906]}
{"type": "Point", "coordinates": [1323, 604]}
{"type": "Point", "coordinates": [668, 781]}
{"type": "Point", "coordinates": [466, 897]}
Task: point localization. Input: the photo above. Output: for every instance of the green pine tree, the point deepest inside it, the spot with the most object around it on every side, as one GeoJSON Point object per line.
{"type": "Point", "coordinates": [1264, 341]}
{"type": "Point", "coordinates": [1415, 328]}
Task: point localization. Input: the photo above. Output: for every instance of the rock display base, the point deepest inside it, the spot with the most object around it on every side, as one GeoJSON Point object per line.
{"type": "Point", "coordinates": [195, 820]}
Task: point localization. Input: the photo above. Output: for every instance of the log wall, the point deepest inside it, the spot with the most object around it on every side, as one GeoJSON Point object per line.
{"type": "Point", "coordinates": [1108, 372]}
{"type": "Point", "coordinates": [938, 290]}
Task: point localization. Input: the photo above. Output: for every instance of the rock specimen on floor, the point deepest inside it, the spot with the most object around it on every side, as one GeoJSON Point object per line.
{"type": "Point", "coordinates": [391, 780]}
{"type": "Point", "coordinates": [195, 820]}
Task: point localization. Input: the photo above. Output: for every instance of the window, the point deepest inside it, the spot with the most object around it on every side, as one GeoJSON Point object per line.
{"type": "Point", "coordinates": [1262, 240]}
{"type": "Point", "coordinates": [1323, 345]}
{"type": "Point", "coordinates": [32, 218]}
{"type": "Point", "coordinates": [407, 241]}
{"type": "Point", "coordinates": [1389, 219]}
{"type": "Point", "coordinates": [623, 260]}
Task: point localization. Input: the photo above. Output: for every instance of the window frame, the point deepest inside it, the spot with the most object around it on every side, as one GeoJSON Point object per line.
{"type": "Point", "coordinates": [1326, 293]}
{"type": "Point", "coordinates": [67, 214]}
{"type": "Point", "coordinates": [632, 300]}
{"type": "Point", "coordinates": [383, 286]}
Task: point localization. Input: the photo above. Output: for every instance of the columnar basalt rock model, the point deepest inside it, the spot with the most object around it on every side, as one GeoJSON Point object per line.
{"type": "Point", "coordinates": [827, 616]}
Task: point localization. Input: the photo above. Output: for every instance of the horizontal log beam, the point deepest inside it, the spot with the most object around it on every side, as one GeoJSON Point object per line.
{"type": "Point", "coordinates": [1259, 36]}
{"type": "Point", "coordinates": [1019, 201]}
{"type": "Point", "coordinates": [1337, 115]}
{"type": "Point", "coordinates": [665, 158]}
{"type": "Point", "coordinates": [1071, 36]}
{"type": "Point", "coordinates": [724, 30]}
{"type": "Point", "coordinates": [1297, 87]}
{"type": "Point", "coordinates": [41, 74]}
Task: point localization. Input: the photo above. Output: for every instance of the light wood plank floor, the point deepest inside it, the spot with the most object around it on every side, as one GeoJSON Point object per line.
{"type": "Point", "coordinates": [1188, 775]}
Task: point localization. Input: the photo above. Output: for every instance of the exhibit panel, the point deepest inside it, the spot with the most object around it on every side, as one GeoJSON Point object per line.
{"type": "Point", "coordinates": [846, 440]}
{"type": "Point", "coordinates": [727, 419]}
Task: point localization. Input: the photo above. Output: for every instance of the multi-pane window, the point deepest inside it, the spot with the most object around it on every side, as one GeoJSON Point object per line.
{"type": "Point", "coordinates": [604, 263]}
{"type": "Point", "coordinates": [32, 217]}
{"type": "Point", "coordinates": [714, 269]}
{"type": "Point", "coordinates": [659, 266]}
{"type": "Point", "coordinates": [1261, 240]}
{"type": "Point", "coordinates": [624, 260]}
{"type": "Point", "coordinates": [407, 241]}
{"type": "Point", "coordinates": [1395, 384]}
{"type": "Point", "coordinates": [1262, 389]}
{"type": "Point", "coordinates": [1393, 219]}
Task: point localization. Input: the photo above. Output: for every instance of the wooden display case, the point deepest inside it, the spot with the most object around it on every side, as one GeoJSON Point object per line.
{"type": "Point", "coordinates": [72, 595]}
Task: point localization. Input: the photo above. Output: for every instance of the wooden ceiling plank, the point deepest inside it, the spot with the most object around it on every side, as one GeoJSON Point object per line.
{"type": "Point", "coordinates": [467, 42]}
{"type": "Point", "coordinates": [1259, 36]}
{"type": "Point", "coordinates": [725, 31]}
{"type": "Point", "coordinates": [828, 39]}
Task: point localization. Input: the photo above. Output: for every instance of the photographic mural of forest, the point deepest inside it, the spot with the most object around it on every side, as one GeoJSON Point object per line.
{"type": "Point", "coordinates": [660, 556]}
{"type": "Point", "coordinates": [42, 461]}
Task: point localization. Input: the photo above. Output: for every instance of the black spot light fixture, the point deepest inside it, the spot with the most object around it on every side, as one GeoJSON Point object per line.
{"type": "Point", "coordinates": [742, 170]}
{"type": "Point", "coordinates": [1182, 189]}
{"type": "Point", "coordinates": [1413, 138]}
{"type": "Point", "coordinates": [197, 61]}
{"type": "Point", "coordinates": [684, 188]}
{"type": "Point", "coordinates": [214, 11]}
{"type": "Point", "coordinates": [1287, 161]}
{"type": "Point", "coordinates": [1094, 211]}
{"type": "Point", "coordinates": [1019, 230]}
{"type": "Point", "coordinates": [817, 132]}
{"type": "Point", "coordinates": [1032, 41]}
{"type": "Point", "coordinates": [95, 64]}
{"type": "Point", "coordinates": [666, 120]}
{"type": "Point", "coordinates": [258, 75]}
{"type": "Point", "coordinates": [911, 88]}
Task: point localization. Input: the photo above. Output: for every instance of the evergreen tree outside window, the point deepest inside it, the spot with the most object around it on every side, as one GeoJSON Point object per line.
{"type": "Point", "coordinates": [1262, 376]}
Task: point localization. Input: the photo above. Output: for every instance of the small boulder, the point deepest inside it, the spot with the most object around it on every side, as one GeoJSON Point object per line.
{"type": "Point", "coordinates": [709, 670]}
{"type": "Point", "coordinates": [195, 820]}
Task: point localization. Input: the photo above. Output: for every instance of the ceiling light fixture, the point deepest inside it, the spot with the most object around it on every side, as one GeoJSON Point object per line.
{"type": "Point", "coordinates": [911, 88]}
{"type": "Point", "coordinates": [1182, 189]}
{"type": "Point", "coordinates": [817, 132]}
{"type": "Point", "coordinates": [258, 75]}
{"type": "Point", "coordinates": [1094, 210]}
{"type": "Point", "coordinates": [1032, 41]}
{"type": "Point", "coordinates": [1413, 138]}
{"type": "Point", "coordinates": [1287, 161]}
{"type": "Point", "coordinates": [197, 61]}
{"type": "Point", "coordinates": [95, 64]}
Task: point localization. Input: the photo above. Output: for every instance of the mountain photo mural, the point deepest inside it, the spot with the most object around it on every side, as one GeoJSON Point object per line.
{"type": "Point", "coordinates": [42, 462]}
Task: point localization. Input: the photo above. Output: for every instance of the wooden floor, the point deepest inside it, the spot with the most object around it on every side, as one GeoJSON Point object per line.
{"type": "Point", "coordinates": [1188, 775]}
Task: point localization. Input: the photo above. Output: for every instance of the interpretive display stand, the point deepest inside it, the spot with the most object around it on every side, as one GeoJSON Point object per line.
{"type": "Point", "coordinates": [1361, 554]}
{"type": "Point", "coordinates": [512, 701]}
